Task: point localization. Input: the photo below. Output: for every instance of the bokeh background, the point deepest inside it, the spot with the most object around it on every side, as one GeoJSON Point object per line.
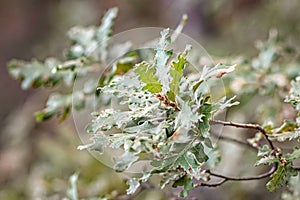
{"type": "Point", "coordinates": [36, 160]}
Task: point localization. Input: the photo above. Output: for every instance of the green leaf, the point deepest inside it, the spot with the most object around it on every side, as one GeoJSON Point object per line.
{"type": "Point", "coordinates": [280, 176]}
{"type": "Point", "coordinates": [146, 75]}
{"type": "Point", "coordinates": [189, 156]}
{"type": "Point", "coordinates": [187, 184]}
{"type": "Point", "coordinates": [293, 156]}
{"type": "Point", "coordinates": [195, 156]}
{"type": "Point", "coordinates": [287, 126]}
{"type": "Point", "coordinates": [176, 73]}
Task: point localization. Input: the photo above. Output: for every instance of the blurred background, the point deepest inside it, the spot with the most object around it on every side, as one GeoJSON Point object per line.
{"type": "Point", "coordinates": [36, 160]}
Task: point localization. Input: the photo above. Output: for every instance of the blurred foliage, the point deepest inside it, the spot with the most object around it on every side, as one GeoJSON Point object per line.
{"type": "Point", "coordinates": [236, 28]}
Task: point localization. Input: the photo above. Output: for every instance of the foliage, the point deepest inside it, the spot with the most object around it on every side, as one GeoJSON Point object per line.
{"type": "Point", "coordinates": [164, 114]}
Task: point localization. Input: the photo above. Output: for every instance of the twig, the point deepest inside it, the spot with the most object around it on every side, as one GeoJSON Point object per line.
{"type": "Point", "coordinates": [221, 137]}
{"type": "Point", "coordinates": [211, 184]}
{"type": "Point", "coordinates": [227, 178]}
{"type": "Point", "coordinates": [249, 126]}
{"type": "Point", "coordinates": [261, 176]}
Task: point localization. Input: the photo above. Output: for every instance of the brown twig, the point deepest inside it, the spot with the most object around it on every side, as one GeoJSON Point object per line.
{"type": "Point", "coordinates": [249, 126]}
{"type": "Point", "coordinates": [221, 137]}
{"type": "Point", "coordinates": [297, 168]}
{"type": "Point", "coordinates": [227, 178]}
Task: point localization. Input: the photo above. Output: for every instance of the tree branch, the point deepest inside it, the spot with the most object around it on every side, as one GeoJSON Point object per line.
{"type": "Point", "coordinates": [227, 178]}
{"type": "Point", "coordinates": [211, 184]}
{"type": "Point", "coordinates": [221, 137]}
{"type": "Point", "coordinates": [248, 126]}
{"type": "Point", "coordinates": [297, 168]}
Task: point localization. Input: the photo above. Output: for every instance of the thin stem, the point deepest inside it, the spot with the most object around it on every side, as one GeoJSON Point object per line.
{"type": "Point", "coordinates": [249, 126]}
{"type": "Point", "coordinates": [221, 137]}
{"type": "Point", "coordinates": [260, 176]}
{"type": "Point", "coordinates": [227, 178]}
{"type": "Point", "coordinates": [211, 184]}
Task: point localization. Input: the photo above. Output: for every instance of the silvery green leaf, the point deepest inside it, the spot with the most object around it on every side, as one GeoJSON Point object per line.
{"type": "Point", "coordinates": [72, 192]}
{"type": "Point", "coordinates": [223, 103]}
{"type": "Point", "coordinates": [161, 59]}
{"type": "Point", "coordinates": [100, 142]}
{"type": "Point", "coordinates": [293, 156]}
{"type": "Point", "coordinates": [125, 161]}
{"type": "Point", "coordinates": [267, 160]}
{"type": "Point", "coordinates": [146, 126]}
{"type": "Point", "coordinates": [92, 41]}
{"type": "Point", "coordinates": [117, 140]}
{"type": "Point", "coordinates": [185, 117]}
{"type": "Point", "coordinates": [134, 184]}
{"type": "Point", "coordinates": [104, 32]}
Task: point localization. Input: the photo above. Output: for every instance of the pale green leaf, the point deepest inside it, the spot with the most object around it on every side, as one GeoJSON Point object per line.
{"type": "Point", "coordinates": [125, 161]}
{"type": "Point", "coordinates": [134, 184]}
{"type": "Point", "coordinates": [293, 156]}
{"type": "Point", "coordinates": [72, 191]}
{"type": "Point", "coordinates": [185, 117]}
{"type": "Point", "coordinates": [176, 73]}
{"type": "Point", "coordinates": [146, 75]}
